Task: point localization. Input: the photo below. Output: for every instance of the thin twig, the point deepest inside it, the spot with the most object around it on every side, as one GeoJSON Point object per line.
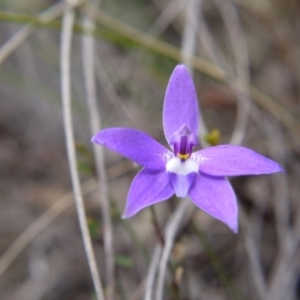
{"type": "Point", "coordinates": [281, 199]}
{"type": "Point", "coordinates": [149, 41]}
{"type": "Point", "coordinates": [255, 265]}
{"type": "Point", "coordinates": [240, 87]}
{"type": "Point", "coordinates": [42, 222]}
{"type": "Point", "coordinates": [95, 125]}
{"type": "Point", "coordinates": [188, 43]}
{"type": "Point", "coordinates": [16, 40]}
{"type": "Point", "coordinates": [66, 38]}
{"type": "Point", "coordinates": [238, 80]}
{"type": "Point", "coordinates": [138, 293]}
{"type": "Point", "coordinates": [169, 235]}
{"type": "Point", "coordinates": [24, 239]}
{"type": "Point", "coordinates": [168, 14]}
{"type": "Point", "coordinates": [241, 82]}
{"type": "Point", "coordinates": [170, 232]}
{"type": "Point", "coordinates": [261, 98]}
{"type": "Point", "coordinates": [286, 243]}
{"type": "Point", "coordinates": [24, 33]}
{"type": "Point", "coordinates": [109, 89]}
{"type": "Point", "coordinates": [150, 279]}
{"type": "Point", "coordinates": [156, 226]}
{"type": "Point", "coordinates": [283, 267]}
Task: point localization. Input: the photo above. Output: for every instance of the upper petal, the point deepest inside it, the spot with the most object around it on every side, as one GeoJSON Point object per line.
{"type": "Point", "coordinates": [180, 105]}
{"type": "Point", "coordinates": [147, 188]}
{"type": "Point", "coordinates": [229, 160]}
{"type": "Point", "coordinates": [215, 196]}
{"type": "Point", "coordinates": [135, 145]}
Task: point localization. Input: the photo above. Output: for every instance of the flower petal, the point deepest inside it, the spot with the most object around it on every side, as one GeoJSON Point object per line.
{"type": "Point", "coordinates": [215, 196]}
{"type": "Point", "coordinates": [135, 145]}
{"type": "Point", "coordinates": [181, 104]}
{"type": "Point", "coordinates": [182, 183]}
{"type": "Point", "coordinates": [147, 188]}
{"type": "Point", "coordinates": [229, 160]}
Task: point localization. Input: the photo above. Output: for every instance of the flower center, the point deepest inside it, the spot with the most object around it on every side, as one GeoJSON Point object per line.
{"type": "Point", "coordinates": [181, 168]}
{"type": "Point", "coordinates": [183, 143]}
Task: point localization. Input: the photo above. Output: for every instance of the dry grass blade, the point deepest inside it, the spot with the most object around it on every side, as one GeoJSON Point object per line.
{"type": "Point", "coordinates": [205, 67]}
{"type": "Point", "coordinates": [43, 221]}
{"type": "Point", "coordinates": [152, 272]}
{"type": "Point", "coordinates": [170, 232]}
{"type": "Point", "coordinates": [255, 264]}
{"type": "Point", "coordinates": [261, 98]}
{"type": "Point", "coordinates": [66, 38]}
{"type": "Point", "coordinates": [16, 248]}
{"type": "Point", "coordinates": [238, 80]}
{"type": "Point", "coordinates": [169, 13]}
{"type": "Point", "coordinates": [278, 286]}
{"type": "Point", "coordinates": [24, 33]}
{"type": "Point", "coordinates": [150, 42]}
{"type": "Point", "coordinates": [109, 89]}
{"type": "Point", "coordinates": [241, 82]}
{"type": "Point", "coordinates": [189, 36]}
{"type": "Point", "coordinates": [95, 124]}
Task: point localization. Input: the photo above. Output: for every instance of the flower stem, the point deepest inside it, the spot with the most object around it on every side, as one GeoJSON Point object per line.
{"type": "Point", "coordinates": [156, 226]}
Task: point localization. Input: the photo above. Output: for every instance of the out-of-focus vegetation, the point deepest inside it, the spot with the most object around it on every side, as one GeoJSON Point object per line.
{"type": "Point", "coordinates": [137, 45]}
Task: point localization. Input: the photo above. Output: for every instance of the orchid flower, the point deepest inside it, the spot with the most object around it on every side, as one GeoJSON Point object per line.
{"type": "Point", "coordinates": [201, 175]}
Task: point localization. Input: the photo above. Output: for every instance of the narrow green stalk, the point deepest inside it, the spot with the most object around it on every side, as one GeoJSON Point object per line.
{"type": "Point", "coordinates": [157, 229]}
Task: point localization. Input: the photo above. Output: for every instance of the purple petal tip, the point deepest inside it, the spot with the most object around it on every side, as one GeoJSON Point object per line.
{"type": "Point", "coordinates": [230, 160]}
{"type": "Point", "coordinates": [124, 217]}
{"type": "Point", "coordinates": [93, 139]}
{"type": "Point", "coordinates": [215, 196]}
{"type": "Point", "coordinates": [180, 67]}
{"type": "Point", "coordinates": [235, 229]}
{"type": "Point", "coordinates": [232, 225]}
{"type": "Point", "coordinates": [134, 145]}
{"type": "Point", "coordinates": [180, 104]}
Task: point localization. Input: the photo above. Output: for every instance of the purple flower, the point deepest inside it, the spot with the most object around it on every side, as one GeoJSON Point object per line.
{"type": "Point", "coordinates": [200, 174]}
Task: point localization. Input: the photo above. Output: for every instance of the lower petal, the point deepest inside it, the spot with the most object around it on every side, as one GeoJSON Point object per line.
{"type": "Point", "coordinates": [147, 188]}
{"type": "Point", "coordinates": [182, 183]}
{"type": "Point", "coordinates": [216, 197]}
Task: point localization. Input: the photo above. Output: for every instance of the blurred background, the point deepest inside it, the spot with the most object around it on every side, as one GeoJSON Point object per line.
{"type": "Point", "coordinates": [245, 60]}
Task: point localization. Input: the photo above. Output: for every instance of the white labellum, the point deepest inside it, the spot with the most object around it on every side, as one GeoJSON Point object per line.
{"type": "Point", "coordinates": [179, 167]}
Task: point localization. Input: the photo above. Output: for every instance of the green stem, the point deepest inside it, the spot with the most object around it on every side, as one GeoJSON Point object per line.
{"type": "Point", "coordinates": [157, 229]}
